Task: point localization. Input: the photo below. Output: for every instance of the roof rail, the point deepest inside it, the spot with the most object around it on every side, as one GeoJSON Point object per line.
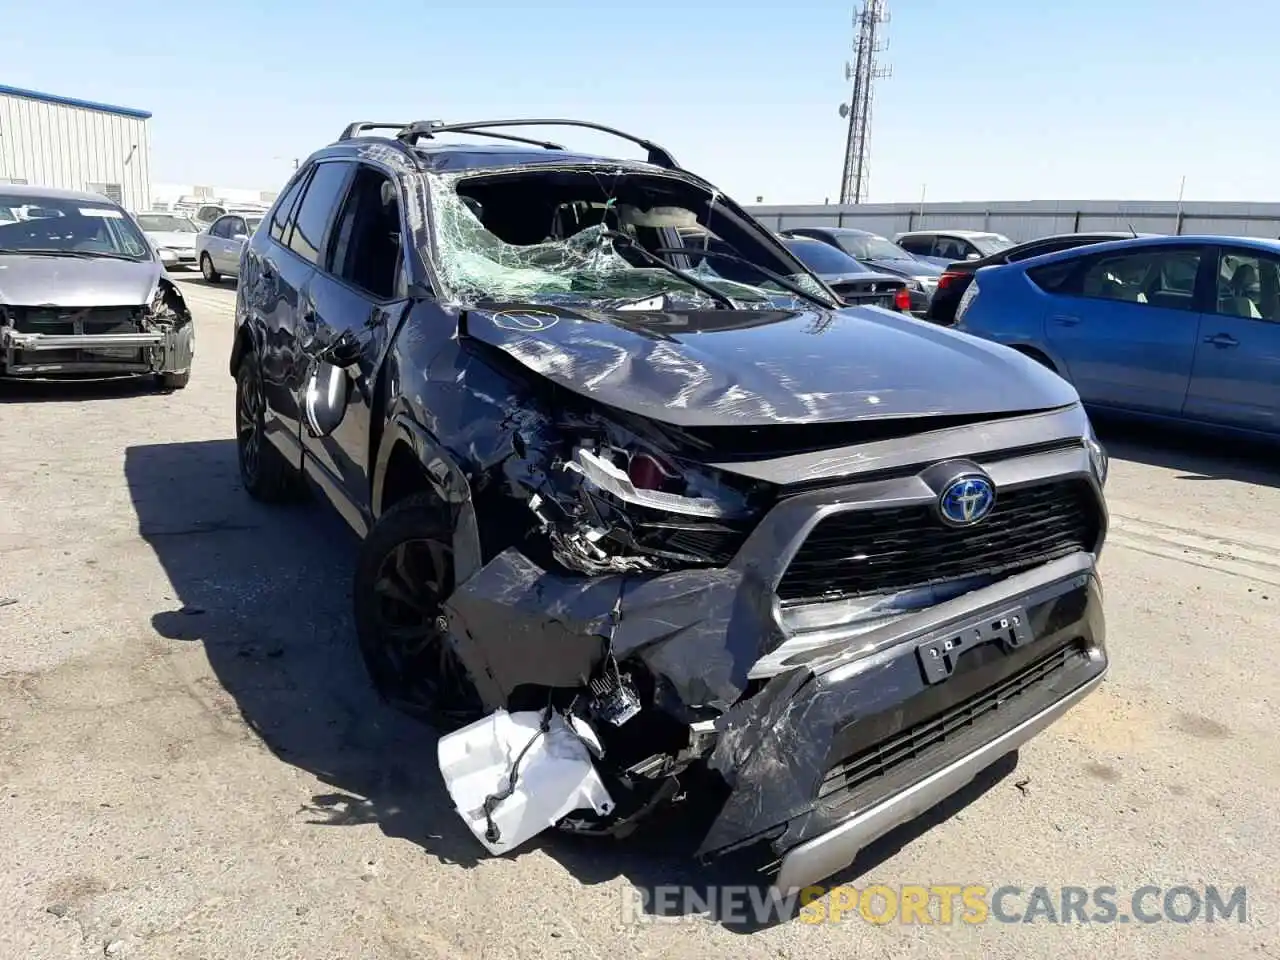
{"type": "Point", "coordinates": [410, 133]}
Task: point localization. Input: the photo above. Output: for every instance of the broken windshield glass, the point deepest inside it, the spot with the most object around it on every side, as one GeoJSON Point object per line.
{"type": "Point", "coordinates": [554, 236]}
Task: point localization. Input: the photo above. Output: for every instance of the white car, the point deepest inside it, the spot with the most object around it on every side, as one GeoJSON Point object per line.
{"type": "Point", "coordinates": [173, 236]}
{"type": "Point", "coordinates": [218, 248]}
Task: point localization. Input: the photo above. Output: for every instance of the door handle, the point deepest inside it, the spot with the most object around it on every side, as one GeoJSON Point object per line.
{"type": "Point", "coordinates": [1222, 340]}
{"type": "Point", "coordinates": [1066, 321]}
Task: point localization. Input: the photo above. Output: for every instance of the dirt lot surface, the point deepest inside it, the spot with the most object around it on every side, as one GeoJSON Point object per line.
{"type": "Point", "coordinates": [193, 766]}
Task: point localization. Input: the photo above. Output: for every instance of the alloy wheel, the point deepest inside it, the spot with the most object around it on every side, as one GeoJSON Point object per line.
{"type": "Point", "coordinates": [417, 664]}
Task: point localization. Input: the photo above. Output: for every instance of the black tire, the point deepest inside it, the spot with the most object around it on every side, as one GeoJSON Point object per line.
{"type": "Point", "coordinates": [404, 574]}
{"type": "Point", "coordinates": [175, 381]}
{"type": "Point", "coordinates": [264, 472]}
{"type": "Point", "coordinates": [206, 269]}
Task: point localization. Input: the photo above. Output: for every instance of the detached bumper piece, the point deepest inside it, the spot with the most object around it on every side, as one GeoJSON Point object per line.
{"type": "Point", "coordinates": [513, 775]}
{"type": "Point", "coordinates": [40, 343]}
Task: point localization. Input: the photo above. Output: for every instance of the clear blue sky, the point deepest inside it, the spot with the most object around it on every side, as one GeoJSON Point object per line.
{"type": "Point", "coordinates": [989, 99]}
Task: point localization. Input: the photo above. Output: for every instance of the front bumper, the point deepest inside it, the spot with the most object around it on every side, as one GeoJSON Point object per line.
{"type": "Point", "coordinates": [846, 732]}
{"type": "Point", "coordinates": [42, 355]}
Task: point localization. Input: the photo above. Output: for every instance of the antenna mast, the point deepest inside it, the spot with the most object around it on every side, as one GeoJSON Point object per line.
{"type": "Point", "coordinates": [863, 72]}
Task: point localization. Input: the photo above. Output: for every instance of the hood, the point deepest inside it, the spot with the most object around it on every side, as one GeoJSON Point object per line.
{"type": "Point", "coordinates": [171, 238]}
{"type": "Point", "coordinates": [906, 268]}
{"type": "Point", "coordinates": [33, 280]}
{"type": "Point", "coordinates": [761, 367]}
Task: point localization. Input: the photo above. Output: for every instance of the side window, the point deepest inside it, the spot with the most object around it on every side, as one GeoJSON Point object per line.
{"type": "Point", "coordinates": [366, 249]}
{"type": "Point", "coordinates": [950, 247]}
{"type": "Point", "coordinates": [284, 206]}
{"type": "Point", "coordinates": [917, 245]}
{"type": "Point", "coordinates": [218, 228]}
{"type": "Point", "coordinates": [1056, 277]}
{"type": "Point", "coordinates": [236, 227]}
{"type": "Point", "coordinates": [1160, 277]}
{"type": "Point", "coordinates": [318, 208]}
{"type": "Point", "coordinates": [1248, 285]}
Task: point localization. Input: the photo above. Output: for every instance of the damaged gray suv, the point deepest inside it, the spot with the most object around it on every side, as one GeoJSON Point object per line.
{"type": "Point", "coordinates": [641, 525]}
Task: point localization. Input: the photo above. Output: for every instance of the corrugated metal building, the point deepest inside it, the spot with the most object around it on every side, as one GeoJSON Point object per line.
{"type": "Point", "coordinates": [53, 141]}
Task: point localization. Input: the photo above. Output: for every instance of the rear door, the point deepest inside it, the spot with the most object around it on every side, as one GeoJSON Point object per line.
{"type": "Point", "coordinates": [1235, 379]}
{"type": "Point", "coordinates": [274, 282]}
{"type": "Point", "coordinates": [358, 291]}
{"type": "Point", "coordinates": [1125, 324]}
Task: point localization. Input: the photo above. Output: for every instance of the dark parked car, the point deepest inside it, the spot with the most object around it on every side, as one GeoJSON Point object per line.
{"type": "Point", "coordinates": [955, 278]}
{"type": "Point", "coordinates": [1171, 328]}
{"type": "Point", "coordinates": [652, 530]}
{"type": "Point", "coordinates": [83, 293]}
{"type": "Point", "coordinates": [849, 280]}
{"type": "Point", "coordinates": [877, 253]}
{"type": "Point", "coordinates": [846, 276]}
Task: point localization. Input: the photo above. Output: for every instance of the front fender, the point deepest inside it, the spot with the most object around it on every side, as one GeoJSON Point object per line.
{"type": "Point", "coordinates": [446, 480]}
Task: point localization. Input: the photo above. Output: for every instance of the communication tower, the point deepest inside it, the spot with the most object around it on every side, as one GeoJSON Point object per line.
{"type": "Point", "coordinates": [869, 43]}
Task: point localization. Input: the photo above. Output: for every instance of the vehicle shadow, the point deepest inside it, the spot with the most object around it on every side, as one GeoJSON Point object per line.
{"type": "Point", "coordinates": [76, 391]}
{"type": "Point", "coordinates": [1195, 455]}
{"type": "Point", "coordinates": [266, 590]}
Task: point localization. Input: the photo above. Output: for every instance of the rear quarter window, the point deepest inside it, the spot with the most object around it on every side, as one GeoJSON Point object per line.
{"type": "Point", "coordinates": [1055, 277]}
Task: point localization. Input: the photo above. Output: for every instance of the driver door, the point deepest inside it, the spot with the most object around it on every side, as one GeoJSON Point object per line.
{"type": "Point", "coordinates": [353, 305]}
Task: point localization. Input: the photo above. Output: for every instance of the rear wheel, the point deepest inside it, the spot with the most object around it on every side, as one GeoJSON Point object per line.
{"type": "Point", "coordinates": [206, 269]}
{"type": "Point", "coordinates": [264, 472]}
{"type": "Point", "coordinates": [404, 575]}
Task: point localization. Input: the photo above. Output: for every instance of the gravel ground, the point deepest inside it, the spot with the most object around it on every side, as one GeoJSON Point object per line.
{"type": "Point", "coordinates": [193, 766]}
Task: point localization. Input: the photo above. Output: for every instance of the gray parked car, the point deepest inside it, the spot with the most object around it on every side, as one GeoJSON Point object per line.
{"type": "Point", "coordinates": [83, 294]}
{"type": "Point", "coordinates": [218, 248]}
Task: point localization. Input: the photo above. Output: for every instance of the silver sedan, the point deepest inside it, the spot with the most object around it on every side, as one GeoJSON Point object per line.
{"type": "Point", "coordinates": [218, 248]}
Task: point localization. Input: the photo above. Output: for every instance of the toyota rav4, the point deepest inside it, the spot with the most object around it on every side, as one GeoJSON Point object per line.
{"type": "Point", "coordinates": [640, 522]}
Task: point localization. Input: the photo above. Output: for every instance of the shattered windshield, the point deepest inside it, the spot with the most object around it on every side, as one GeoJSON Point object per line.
{"type": "Point", "coordinates": [568, 235]}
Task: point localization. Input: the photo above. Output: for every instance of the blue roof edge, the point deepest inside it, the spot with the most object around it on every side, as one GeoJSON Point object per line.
{"type": "Point", "coordinates": [73, 102]}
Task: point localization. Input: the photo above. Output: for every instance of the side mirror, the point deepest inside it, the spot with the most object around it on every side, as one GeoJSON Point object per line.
{"type": "Point", "coordinates": [974, 256]}
{"type": "Point", "coordinates": [241, 237]}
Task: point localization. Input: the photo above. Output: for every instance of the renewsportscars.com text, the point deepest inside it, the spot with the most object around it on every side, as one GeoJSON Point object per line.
{"type": "Point", "coordinates": [942, 904]}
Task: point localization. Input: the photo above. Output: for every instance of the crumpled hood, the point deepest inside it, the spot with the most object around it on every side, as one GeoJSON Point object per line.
{"type": "Point", "coordinates": [760, 367]}
{"type": "Point", "coordinates": [172, 238]}
{"type": "Point", "coordinates": [50, 281]}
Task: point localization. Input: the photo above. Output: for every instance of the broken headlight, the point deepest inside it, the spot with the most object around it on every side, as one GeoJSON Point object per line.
{"type": "Point", "coordinates": [646, 480]}
{"type": "Point", "coordinates": [638, 511]}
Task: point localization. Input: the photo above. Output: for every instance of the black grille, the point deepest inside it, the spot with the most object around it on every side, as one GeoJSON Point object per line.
{"type": "Point", "coordinates": [68, 321]}
{"type": "Point", "coordinates": [916, 741]}
{"type": "Point", "coordinates": [865, 552]}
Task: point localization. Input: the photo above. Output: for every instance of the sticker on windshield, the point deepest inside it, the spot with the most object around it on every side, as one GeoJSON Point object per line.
{"type": "Point", "coordinates": [101, 212]}
{"type": "Point", "coordinates": [525, 321]}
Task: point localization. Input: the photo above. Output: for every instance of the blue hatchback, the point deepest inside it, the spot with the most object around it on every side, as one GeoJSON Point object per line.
{"type": "Point", "coordinates": [1184, 328]}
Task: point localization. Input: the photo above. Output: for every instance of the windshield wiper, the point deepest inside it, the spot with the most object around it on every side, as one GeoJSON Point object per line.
{"type": "Point", "coordinates": [56, 252]}
{"type": "Point", "coordinates": [625, 240]}
{"type": "Point", "coordinates": [777, 278]}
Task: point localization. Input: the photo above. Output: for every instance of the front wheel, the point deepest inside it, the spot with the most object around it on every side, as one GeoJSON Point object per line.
{"type": "Point", "coordinates": [175, 381]}
{"type": "Point", "coordinates": [403, 577]}
{"type": "Point", "coordinates": [206, 269]}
